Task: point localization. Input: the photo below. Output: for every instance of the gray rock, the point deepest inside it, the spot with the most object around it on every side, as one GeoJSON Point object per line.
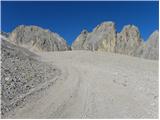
{"type": "Point", "coordinates": [128, 40]}
{"type": "Point", "coordinates": [36, 38]}
{"type": "Point", "coordinates": [102, 38]}
{"type": "Point", "coordinates": [78, 44]}
{"type": "Point", "coordinates": [150, 48]}
{"type": "Point", "coordinates": [21, 72]}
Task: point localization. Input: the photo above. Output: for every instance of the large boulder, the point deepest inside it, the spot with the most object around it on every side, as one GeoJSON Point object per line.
{"type": "Point", "coordinates": [36, 38]}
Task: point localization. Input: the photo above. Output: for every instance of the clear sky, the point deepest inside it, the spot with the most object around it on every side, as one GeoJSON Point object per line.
{"type": "Point", "coordinates": [69, 18]}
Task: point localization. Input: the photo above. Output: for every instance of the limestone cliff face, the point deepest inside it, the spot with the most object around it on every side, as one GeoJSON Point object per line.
{"type": "Point", "coordinates": [80, 40]}
{"type": "Point", "coordinates": [107, 39]}
{"type": "Point", "coordinates": [128, 40]}
{"type": "Point", "coordinates": [102, 38]}
{"type": "Point", "coordinates": [36, 38]}
{"type": "Point", "coordinates": [150, 48]}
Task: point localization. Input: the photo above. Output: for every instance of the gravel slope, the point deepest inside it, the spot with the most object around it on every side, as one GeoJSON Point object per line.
{"type": "Point", "coordinates": [96, 85]}
{"type": "Point", "coordinates": [22, 74]}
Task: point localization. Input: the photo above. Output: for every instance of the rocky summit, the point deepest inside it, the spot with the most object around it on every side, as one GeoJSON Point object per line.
{"type": "Point", "coordinates": [102, 38]}
{"type": "Point", "coordinates": [129, 42]}
{"type": "Point", "coordinates": [150, 48]}
{"type": "Point", "coordinates": [37, 39]}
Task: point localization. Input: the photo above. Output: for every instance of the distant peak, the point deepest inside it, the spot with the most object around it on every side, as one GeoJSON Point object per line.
{"type": "Point", "coordinates": [104, 26]}
{"type": "Point", "coordinates": [154, 36]}
{"type": "Point", "coordinates": [28, 26]}
{"type": "Point", "coordinates": [130, 26]}
{"type": "Point", "coordinates": [111, 23]}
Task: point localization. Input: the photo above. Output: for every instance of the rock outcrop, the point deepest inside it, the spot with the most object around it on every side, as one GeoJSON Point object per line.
{"type": "Point", "coordinates": [129, 42]}
{"type": "Point", "coordinates": [36, 38]}
{"type": "Point", "coordinates": [80, 40]}
{"type": "Point", "coordinates": [102, 38]}
{"type": "Point", "coordinates": [150, 48]}
{"type": "Point", "coordinates": [21, 72]}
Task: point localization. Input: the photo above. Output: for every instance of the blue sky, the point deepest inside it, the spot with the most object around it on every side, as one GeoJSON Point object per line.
{"type": "Point", "coordinates": [69, 18]}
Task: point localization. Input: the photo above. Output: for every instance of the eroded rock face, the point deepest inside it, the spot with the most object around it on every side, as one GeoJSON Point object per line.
{"type": "Point", "coordinates": [105, 37]}
{"type": "Point", "coordinates": [128, 40]}
{"type": "Point", "coordinates": [36, 38]}
{"type": "Point", "coordinates": [150, 48]}
{"type": "Point", "coordinates": [80, 40]}
{"type": "Point", "coordinates": [102, 38]}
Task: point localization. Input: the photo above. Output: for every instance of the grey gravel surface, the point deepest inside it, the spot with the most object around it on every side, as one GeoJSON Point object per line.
{"type": "Point", "coordinates": [96, 85]}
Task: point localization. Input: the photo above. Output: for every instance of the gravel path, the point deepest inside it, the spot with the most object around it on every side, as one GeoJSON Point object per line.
{"type": "Point", "coordinates": [96, 85]}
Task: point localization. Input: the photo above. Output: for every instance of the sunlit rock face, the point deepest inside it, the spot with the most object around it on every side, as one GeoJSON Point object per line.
{"type": "Point", "coordinates": [150, 48]}
{"type": "Point", "coordinates": [107, 34]}
{"type": "Point", "coordinates": [36, 38]}
{"type": "Point", "coordinates": [80, 40]}
{"type": "Point", "coordinates": [102, 38]}
{"type": "Point", "coordinates": [128, 42]}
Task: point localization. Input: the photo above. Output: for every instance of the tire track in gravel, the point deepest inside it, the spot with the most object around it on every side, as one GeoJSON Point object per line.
{"type": "Point", "coordinates": [91, 86]}
{"type": "Point", "coordinates": [67, 89]}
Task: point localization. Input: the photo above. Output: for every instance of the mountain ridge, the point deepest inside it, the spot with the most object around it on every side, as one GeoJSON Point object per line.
{"type": "Point", "coordinates": [103, 37]}
{"type": "Point", "coordinates": [128, 41]}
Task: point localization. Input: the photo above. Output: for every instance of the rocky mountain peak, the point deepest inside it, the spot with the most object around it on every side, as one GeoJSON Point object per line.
{"type": "Point", "coordinates": [37, 38]}
{"type": "Point", "coordinates": [102, 38]}
{"type": "Point", "coordinates": [153, 38]}
{"type": "Point", "coordinates": [129, 42]}
{"type": "Point", "coordinates": [131, 31]}
{"type": "Point", "coordinates": [104, 26]}
{"type": "Point", "coordinates": [150, 48]}
{"type": "Point", "coordinates": [80, 40]}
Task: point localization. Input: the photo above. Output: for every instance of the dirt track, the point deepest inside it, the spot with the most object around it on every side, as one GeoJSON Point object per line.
{"type": "Point", "coordinates": [96, 85]}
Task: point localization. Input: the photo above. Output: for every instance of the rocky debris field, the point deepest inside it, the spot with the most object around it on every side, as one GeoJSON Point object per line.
{"type": "Point", "coordinates": [21, 72]}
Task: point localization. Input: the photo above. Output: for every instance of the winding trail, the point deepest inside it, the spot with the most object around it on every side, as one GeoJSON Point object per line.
{"type": "Point", "coordinates": [96, 85]}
